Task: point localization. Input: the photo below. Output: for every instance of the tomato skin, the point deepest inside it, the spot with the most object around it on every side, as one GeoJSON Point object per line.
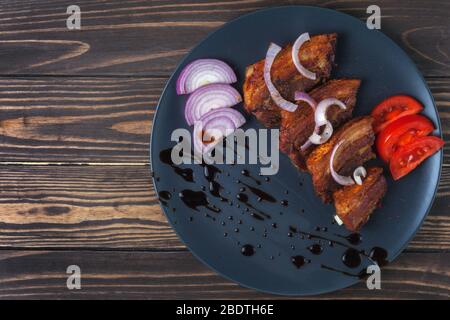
{"type": "Point", "coordinates": [407, 158]}
{"type": "Point", "coordinates": [393, 108]}
{"type": "Point", "coordinates": [401, 132]}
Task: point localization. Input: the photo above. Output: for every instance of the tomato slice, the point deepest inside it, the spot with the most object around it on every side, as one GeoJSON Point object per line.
{"type": "Point", "coordinates": [408, 157]}
{"type": "Point", "coordinates": [401, 132]}
{"type": "Point", "coordinates": [393, 108]}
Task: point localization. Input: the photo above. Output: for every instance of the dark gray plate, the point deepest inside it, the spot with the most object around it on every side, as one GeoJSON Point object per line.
{"type": "Point", "coordinates": [385, 70]}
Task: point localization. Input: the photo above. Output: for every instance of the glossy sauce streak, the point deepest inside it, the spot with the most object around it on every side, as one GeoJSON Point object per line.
{"type": "Point", "coordinates": [353, 238]}
{"type": "Point", "coordinates": [351, 258]}
{"type": "Point", "coordinates": [260, 193]}
{"type": "Point", "coordinates": [195, 199]}
{"type": "Point", "coordinates": [210, 172]}
{"type": "Point", "coordinates": [246, 173]}
{"type": "Point", "coordinates": [242, 197]}
{"type": "Point", "coordinates": [186, 173]}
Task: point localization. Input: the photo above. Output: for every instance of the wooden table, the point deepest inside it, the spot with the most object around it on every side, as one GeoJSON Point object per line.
{"type": "Point", "coordinates": [76, 109]}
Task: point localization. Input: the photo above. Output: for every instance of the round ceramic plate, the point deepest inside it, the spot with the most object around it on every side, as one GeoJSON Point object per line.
{"type": "Point", "coordinates": [217, 239]}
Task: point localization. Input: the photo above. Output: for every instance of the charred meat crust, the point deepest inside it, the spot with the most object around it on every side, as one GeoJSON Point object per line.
{"type": "Point", "coordinates": [316, 55]}
{"type": "Point", "coordinates": [296, 127]}
{"type": "Point", "coordinates": [355, 151]}
{"type": "Point", "coordinates": [354, 204]}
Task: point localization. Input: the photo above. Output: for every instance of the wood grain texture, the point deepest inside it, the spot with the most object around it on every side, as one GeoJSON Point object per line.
{"type": "Point", "coordinates": [76, 112]}
{"type": "Point", "coordinates": [177, 275]}
{"type": "Point", "coordinates": [110, 207]}
{"type": "Point", "coordinates": [98, 120]}
{"type": "Point", "coordinates": [150, 37]}
{"type": "Point", "coordinates": [77, 120]}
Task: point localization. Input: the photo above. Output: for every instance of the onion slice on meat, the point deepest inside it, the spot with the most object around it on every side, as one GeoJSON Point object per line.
{"type": "Point", "coordinates": [320, 119]}
{"type": "Point", "coordinates": [272, 52]}
{"type": "Point", "coordinates": [303, 96]}
{"type": "Point", "coordinates": [326, 134]}
{"type": "Point", "coordinates": [358, 174]}
{"type": "Point", "coordinates": [215, 125]}
{"type": "Point", "coordinates": [338, 220]}
{"type": "Point", "coordinates": [202, 72]}
{"type": "Point", "coordinates": [320, 116]}
{"type": "Point", "coordinates": [304, 37]}
{"type": "Point", "coordinates": [209, 97]}
{"type": "Point", "coordinates": [342, 180]}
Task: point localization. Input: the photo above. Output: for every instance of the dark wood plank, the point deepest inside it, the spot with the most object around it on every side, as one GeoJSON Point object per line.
{"type": "Point", "coordinates": [77, 119]}
{"type": "Point", "coordinates": [103, 207]}
{"type": "Point", "coordinates": [81, 206]}
{"type": "Point", "coordinates": [97, 120]}
{"type": "Point", "coordinates": [169, 275]}
{"type": "Point", "coordinates": [150, 37]}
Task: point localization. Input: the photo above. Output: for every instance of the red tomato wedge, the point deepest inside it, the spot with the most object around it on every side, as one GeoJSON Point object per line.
{"type": "Point", "coordinates": [407, 158]}
{"type": "Point", "coordinates": [393, 108]}
{"type": "Point", "coordinates": [401, 132]}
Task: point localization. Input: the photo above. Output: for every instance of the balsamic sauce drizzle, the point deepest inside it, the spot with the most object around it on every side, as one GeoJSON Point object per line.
{"type": "Point", "coordinates": [194, 199]}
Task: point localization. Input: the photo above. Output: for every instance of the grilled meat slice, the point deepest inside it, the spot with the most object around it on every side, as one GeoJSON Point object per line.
{"type": "Point", "coordinates": [296, 127]}
{"type": "Point", "coordinates": [317, 55]}
{"type": "Point", "coordinates": [357, 149]}
{"type": "Point", "coordinates": [354, 204]}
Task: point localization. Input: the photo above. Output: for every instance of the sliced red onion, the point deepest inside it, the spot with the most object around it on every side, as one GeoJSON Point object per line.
{"type": "Point", "coordinates": [326, 134]}
{"type": "Point", "coordinates": [303, 96]}
{"type": "Point", "coordinates": [202, 72]}
{"type": "Point", "coordinates": [209, 97]}
{"type": "Point", "coordinates": [296, 59]}
{"type": "Point", "coordinates": [320, 118]}
{"type": "Point", "coordinates": [276, 96]}
{"type": "Point", "coordinates": [338, 220]}
{"type": "Point", "coordinates": [215, 125]}
{"type": "Point", "coordinates": [342, 180]}
{"type": "Point", "coordinates": [358, 174]}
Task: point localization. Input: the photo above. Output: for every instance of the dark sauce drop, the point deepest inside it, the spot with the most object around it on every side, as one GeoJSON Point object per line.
{"type": "Point", "coordinates": [315, 249]}
{"type": "Point", "coordinates": [165, 195]}
{"type": "Point", "coordinates": [354, 238]}
{"type": "Point", "coordinates": [351, 258]}
{"type": "Point", "coordinates": [242, 197]}
{"type": "Point", "coordinates": [284, 203]}
{"type": "Point", "coordinates": [248, 250]}
{"type": "Point", "coordinates": [299, 261]}
{"type": "Point", "coordinates": [379, 255]}
{"type": "Point", "coordinates": [195, 199]}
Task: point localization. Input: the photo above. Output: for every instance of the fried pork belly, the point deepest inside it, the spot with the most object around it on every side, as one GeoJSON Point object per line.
{"type": "Point", "coordinates": [354, 204]}
{"type": "Point", "coordinates": [317, 55]}
{"type": "Point", "coordinates": [353, 152]}
{"type": "Point", "coordinates": [296, 127]}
